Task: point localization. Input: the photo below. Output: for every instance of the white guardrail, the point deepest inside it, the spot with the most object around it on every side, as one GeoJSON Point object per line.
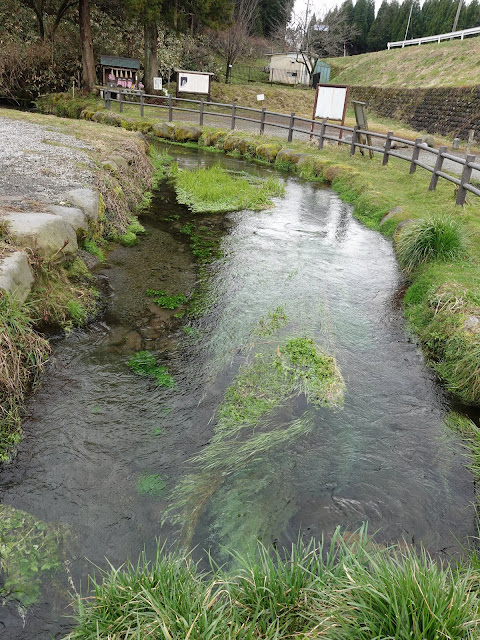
{"type": "Point", "coordinates": [438, 38]}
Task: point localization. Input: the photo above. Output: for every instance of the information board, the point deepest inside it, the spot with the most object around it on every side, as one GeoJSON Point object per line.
{"type": "Point", "coordinates": [330, 102]}
{"type": "Point", "coordinates": [157, 84]}
{"type": "Point", "coordinates": [190, 82]}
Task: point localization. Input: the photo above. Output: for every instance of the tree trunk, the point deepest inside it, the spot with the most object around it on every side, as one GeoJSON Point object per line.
{"type": "Point", "coordinates": [88, 64]}
{"type": "Point", "coordinates": [151, 62]}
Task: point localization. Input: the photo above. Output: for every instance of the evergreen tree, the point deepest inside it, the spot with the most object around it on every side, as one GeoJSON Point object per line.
{"type": "Point", "coordinates": [381, 30]}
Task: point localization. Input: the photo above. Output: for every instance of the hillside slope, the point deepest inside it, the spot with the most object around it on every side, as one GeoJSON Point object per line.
{"type": "Point", "coordinates": [454, 63]}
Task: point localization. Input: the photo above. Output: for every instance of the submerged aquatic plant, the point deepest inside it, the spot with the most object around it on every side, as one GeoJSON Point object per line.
{"type": "Point", "coordinates": [28, 550]}
{"type": "Point", "coordinates": [165, 300]}
{"type": "Point", "coordinates": [435, 238]}
{"type": "Point", "coordinates": [249, 428]}
{"type": "Point", "coordinates": [150, 484]}
{"type": "Point", "coordinates": [217, 190]}
{"type": "Point", "coordinates": [145, 364]}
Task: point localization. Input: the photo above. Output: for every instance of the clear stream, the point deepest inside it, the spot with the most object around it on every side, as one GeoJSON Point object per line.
{"type": "Point", "coordinates": [95, 429]}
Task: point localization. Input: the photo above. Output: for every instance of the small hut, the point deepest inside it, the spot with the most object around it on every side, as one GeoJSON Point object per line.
{"type": "Point", "coordinates": [120, 72]}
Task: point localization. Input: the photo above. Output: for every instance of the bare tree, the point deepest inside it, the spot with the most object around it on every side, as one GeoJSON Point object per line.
{"type": "Point", "coordinates": [54, 10]}
{"type": "Point", "coordinates": [235, 42]}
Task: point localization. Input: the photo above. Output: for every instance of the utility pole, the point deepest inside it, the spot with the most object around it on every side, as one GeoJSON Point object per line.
{"type": "Point", "coordinates": [459, 8]}
{"type": "Point", "coordinates": [409, 18]}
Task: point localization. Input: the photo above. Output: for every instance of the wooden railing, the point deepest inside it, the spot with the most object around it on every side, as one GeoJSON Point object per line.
{"type": "Point", "coordinates": [321, 130]}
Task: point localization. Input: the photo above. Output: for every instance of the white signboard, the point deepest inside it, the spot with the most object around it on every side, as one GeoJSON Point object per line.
{"type": "Point", "coordinates": [260, 96]}
{"type": "Point", "coordinates": [157, 84]}
{"type": "Point", "coordinates": [330, 102]}
{"type": "Point", "coordinates": [193, 82]}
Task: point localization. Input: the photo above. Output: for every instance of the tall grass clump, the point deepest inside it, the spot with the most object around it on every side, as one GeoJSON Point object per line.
{"type": "Point", "coordinates": [434, 238]}
{"type": "Point", "coordinates": [23, 353]}
{"type": "Point", "coordinates": [347, 589]}
{"type": "Point", "coordinates": [405, 595]}
{"type": "Point", "coordinates": [165, 599]}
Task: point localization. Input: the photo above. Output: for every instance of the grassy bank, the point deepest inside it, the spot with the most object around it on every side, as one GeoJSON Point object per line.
{"type": "Point", "coordinates": [450, 63]}
{"type": "Point", "coordinates": [346, 589]}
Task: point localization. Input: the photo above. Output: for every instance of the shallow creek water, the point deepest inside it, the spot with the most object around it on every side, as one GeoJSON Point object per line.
{"type": "Point", "coordinates": [94, 429]}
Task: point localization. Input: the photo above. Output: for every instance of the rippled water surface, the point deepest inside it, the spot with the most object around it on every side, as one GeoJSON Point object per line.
{"type": "Point", "coordinates": [95, 429]}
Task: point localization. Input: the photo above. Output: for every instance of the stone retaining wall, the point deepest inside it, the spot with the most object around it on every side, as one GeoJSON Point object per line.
{"type": "Point", "coordinates": [448, 111]}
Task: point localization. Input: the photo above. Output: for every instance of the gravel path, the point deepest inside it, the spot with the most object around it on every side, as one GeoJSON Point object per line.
{"type": "Point", "coordinates": [38, 162]}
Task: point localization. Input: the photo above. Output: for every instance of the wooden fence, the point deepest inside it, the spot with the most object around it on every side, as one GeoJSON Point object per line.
{"type": "Point", "coordinates": [321, 130]}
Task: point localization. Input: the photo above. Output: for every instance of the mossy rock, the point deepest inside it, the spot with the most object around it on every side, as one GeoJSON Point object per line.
{"type": "Point", "coordinates": [288, 155]}
{"type": "Point", "coordinates": [128, 124]}
{"type": "Point", "coordinates": [267, 152]}
{"type": "Point", "coordinates": [231, 143]}
{"type": "Point", "coordinates": [247, 146]}
{"type": "Point", "coordinates": [187, 133]}
{"type": "Point", "coordinates": [110, 165]}
{"type": "Point", "coordinates": [306, 161]}
{"type": "Point", "coordinates": [144, 127]}
{"type": "Point", "coordinates": [98, 116]}
{"type": "Point", "coordinates": [164, 130]}
{"type": "Point", "coordinates": [320, 165]}
{"type": "Point", "coordinates": [218, 138]}
{"type": "Point", "coordinates": [111, 119]}
{"type": "Point", "coordinates": [337, 171]}
{"type": "Point", "coordinates": [87, 114]}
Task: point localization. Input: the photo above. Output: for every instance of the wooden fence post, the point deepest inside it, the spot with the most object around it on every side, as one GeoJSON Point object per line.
{"type": "Point", "coordinates": [438, 167]}
{"type": "Point", "coordinates": [120, 101]}
{"type": "Point", "coordinates": [142, 104]}
{"type": "Point", "coordinates": [234, 111]}
{"type": "Point", "coordinates": [108, 96]}
{"type": "Point", "coordinates": [262, 120]}
{"type": "Point", "coordinates": [415, 154]}
{"type": "Point", "coordinates": [170, 109]}
{"type": "Point", "coordinates": [354, 139]}
{"type": "Point", "coordinates": [201, 111]}
{"type": "Point", "coordinates": [465, 179]}
{"type": "Point", "coordinates": [290, 126]}
{"type": "Point", "coordinates": [388, 146]}
{"type": "Point", "coordinates": [323, 128]}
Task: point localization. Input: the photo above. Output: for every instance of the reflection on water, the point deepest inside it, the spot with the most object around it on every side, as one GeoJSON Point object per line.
{"type": "Point", "coordinates": [95, 428]}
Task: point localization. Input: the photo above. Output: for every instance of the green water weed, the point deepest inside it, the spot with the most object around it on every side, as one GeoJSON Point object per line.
{"type": "Point", "coordinates": [28, 550]}
{"type": "Point", "coordinates": [216, 190]}
{"type": "Point", "coordinates": [145, 364]}
{"type": "Point", "coordinates": [150, 484]}
{"type": "Point", "coordinates": [165, 300]}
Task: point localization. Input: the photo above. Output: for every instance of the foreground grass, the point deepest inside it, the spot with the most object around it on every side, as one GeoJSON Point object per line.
{"type": "Point", "coordinates": [349, 588]}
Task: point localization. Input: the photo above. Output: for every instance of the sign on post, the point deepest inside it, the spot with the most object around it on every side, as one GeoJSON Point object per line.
{"type": "Point", "coordinates": [157, 84]}
{"type": "Point", "coordinates": [193, 82]}
{"type": "Point", "coordinates": [331, 102]}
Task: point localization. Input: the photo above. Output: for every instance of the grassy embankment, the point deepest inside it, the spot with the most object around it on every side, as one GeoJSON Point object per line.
{"type": "Point", "coordinates": [64, 294]}
{"type": "Point", "coordinates": [451, 63]}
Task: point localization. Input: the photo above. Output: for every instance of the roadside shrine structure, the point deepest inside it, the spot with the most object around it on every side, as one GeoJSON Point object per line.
{"type": "Point", "coordinates": [121, 73]}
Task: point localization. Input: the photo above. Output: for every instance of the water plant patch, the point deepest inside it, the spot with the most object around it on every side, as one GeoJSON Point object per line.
{"type": "Point", "coordinates": [145, 364]}
{"type": "Point", "coordinates": [217, 190]}
{"type": "Point", "coordinates": [28, 550]}
{"type": "Point", "coordinates": [165, 300]}
{"type": "Point", "coordinates": [150, 484]}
